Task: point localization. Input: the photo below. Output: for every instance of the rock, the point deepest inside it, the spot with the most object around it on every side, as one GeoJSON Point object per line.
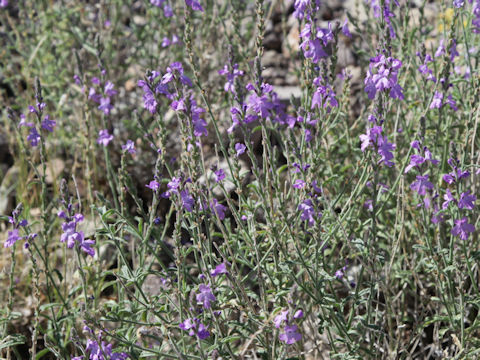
{"type": "Point", "coordinates": [344, 55]}
{"type": "Point", "coordinates": [286, 92]}
{"type": "Point", "coordinates": [271, 58]}
{"type": "Point", "coordinates": [55, 169]}
{"type": "Point", "coordinates": [139, 20]}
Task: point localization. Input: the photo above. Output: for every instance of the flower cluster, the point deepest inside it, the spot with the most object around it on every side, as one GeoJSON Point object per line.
{"type": "Point", "coordinates": [102, 94]}
{"type": "Point", "coordinates": [104, 137]}
{"type": "Point", "coordinates": [47, 124]}
{"type": "Point", "coordinates": [155, 84]}
{"type": "Point", "coordinates": [262, 104]}
{"type": "Point", "coordinates": [309, 207]}
{"type": "Point", "coordinates": [14, 235]}
{"type": "Point", "coordinates": [373, 138]}
{"type": "Point", "coordinates": [71, 219]}
{"type": "Point", "coordinates": [290, 334]}
{"type": "Point", "coordinates": [424, 69]}
{"type": "Point", "coordinates": [315, 41]}
{"type": "Point", "coordinates": [324, 96]}
{"type": "Point", "coordinates": [195, 328]}
{"type": "Point", "coordinates": [420, 161]}
{"type": "Point", "coordinates": [166, 42]}
{"type": "Point", "coordinates": [231, 75]}
{"type": "Point", "coordinates": [100, 350]}
{"type": "Point", "coordinates": [303, 10]}
{"type": "Point", "coordinates": [167, 9]}
{"type": "Point", "coordinates": [383, 76]}
{"type": "Point", "coordinates": [465, 201]}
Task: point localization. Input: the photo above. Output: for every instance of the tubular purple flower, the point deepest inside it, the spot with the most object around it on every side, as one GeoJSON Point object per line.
{"type": "Point", "coordinates": [153, 185]}
{"type": "Point", "coordinates": [462, 228]}
{"type": "Point", "coordinates": [467, 201]}
{"type": "Point", "coordinates": [48, 124]}
{"type": "Point", "coordinates": [194, 4]}
{"type": "Point", "coordinates": [281, 318]}
{"type": "Point", "coordinates": [219, 269]}
{"type": "Point", "coordinates": [291, 335]}
{"type": "Point", "coordinates": [12, 238]}
{"type": "Point", "coordinates": [104, 137]}
{"type": "Point", "coordinates": [421, 185]}
{"type": "Point", "coordinates": [240, 148]}
{"type": "Point", "coordinates": [205, 296]}
{"type": "Point", "coordinates": [129, 147]}
{"type": "Point", "coordinates": [33, 137]}
{"type": "Point", "coordinates": [187, 200]}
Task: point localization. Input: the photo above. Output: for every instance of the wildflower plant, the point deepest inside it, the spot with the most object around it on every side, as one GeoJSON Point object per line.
{"type": "Point", "coordinates": [208, 210]}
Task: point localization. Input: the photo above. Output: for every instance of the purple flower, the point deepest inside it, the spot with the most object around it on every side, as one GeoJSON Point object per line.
{"type": "Point", "coordinates": [219, 175]}
{"type": "Point", "coordinates": [308, 212]}
{"type": "Point", "coordinates": [3, 3]}
{"type": "Point", "coordinates": [324, 96]}
{"type": "Point", "coordinates": [452, 103]}
{"type": "Point", "coordinates": [417, 160]}
{"type": "Point", "coordinates": [165, 42]}
{"type": "Point", "coordinates": [195, 5]}
{"type": "Point", "coordinates": [187, 200]}
{"type": "Point", "coordinates": [219, 269]}
{"type": "Point", "coordinates": [437, 100]}
{"type": "Point", "coordinates": [48, 124]}
{"type": "Point", "coordinates": [281, 318]}
{"type": "Point", "coordinates": [23, 122]}
{"type": "Point", "coordinates": [240, 148]}
{"type": "Point", "coordinates": [109, 89]}
{"type": "Point", "coordinates": [103, 351]}
{"type": "Point", "coordinates": [86, 246]}
{"type": "Point", "coordinates": [202, 332]}
{"type": "Point", "coordinates": [421, 185]}
{"type": "Point", "coordinates": [231, 75]}
{"type": "Point", "coordinates": [157, 2]}
{"type": "Point", "coordinates": [149, 101]}
{"type": "Point", "coordinates": [33, 137]}
{"type": "Point", "coordinates": [462, 228]}
{"type": "Point", "coordinates": [70, 234]}
{"type": "Point", "coordinates": [438, 217]}
{"type": "Point", "coordinates": [205, 296]}
{"type": "Point", "coordinates": [467, 201]}
{"type": "Point", "coordinates": [385, 150]}
{"type": "Point", "coordinates": [167, 11]}
{"type": "Point", "coordinates": [218, 209]}
{"type": "Point", "coordinates": [174, 184]}
{"type": "Point", "coordinates": [191, 325]}
{"type": "Point", "coordinates": [456, 174]}
{"type": "Point", "coordinates": [153, 185]}
{"type": "Point", "coordinates": [298, 314]}
{"type": "Point", "coordinates": [105, 105]}
{"type": "Point", "coordinates": [12, 238]}
{"type": "Point", "coordinates": [314, 43]}
{"type": "Point", "coordinates": [291, 335]}
{"type": "Point", "coordinates": [448, 197]}
{"type": "Point", "coordinates": [129, 147]}
{"type": "Point", "coordinates": [345, 29]}
{"type": "Point", "coordinates": [104, 137]}
{"type": "Point", "coordinates": [299, 184]}
{"type": "Point", "coordinates": [261, 105]}
{"type": "Point", "coordinates": [382, 76]}
{"type": "Point", "coordinates": [370, 138]}
{"type": "Point", "coordinates": [188, 324]}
